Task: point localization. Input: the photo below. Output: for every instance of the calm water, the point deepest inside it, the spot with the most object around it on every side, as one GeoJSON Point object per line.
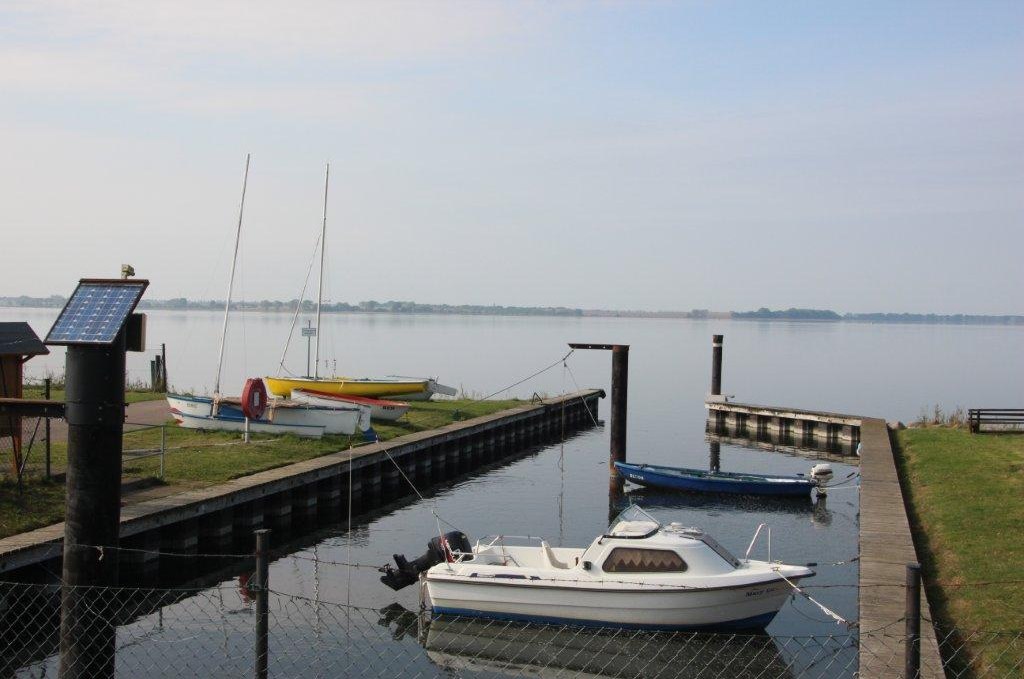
{"type": "Point", "coordinates": [561, 491]}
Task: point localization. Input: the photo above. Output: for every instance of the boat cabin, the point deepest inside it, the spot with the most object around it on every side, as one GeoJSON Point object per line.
{"type": "Point", "coordinates": [635, 544]}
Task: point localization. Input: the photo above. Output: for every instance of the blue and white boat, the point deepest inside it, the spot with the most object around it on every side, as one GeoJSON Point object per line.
{"type": "Point", "coordinates": [281, 416]}
{"type": "Point", "coordinates": [704, 481]}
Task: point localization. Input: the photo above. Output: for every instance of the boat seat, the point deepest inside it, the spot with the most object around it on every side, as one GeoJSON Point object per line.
{"type": "Point", "coordinates": [549, 556]}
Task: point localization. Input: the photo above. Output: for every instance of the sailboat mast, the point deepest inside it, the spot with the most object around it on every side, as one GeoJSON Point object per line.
{"type": "Point", "coordinates": [320, 291]}
{"type": "Point", "coordinates": [231, 280]}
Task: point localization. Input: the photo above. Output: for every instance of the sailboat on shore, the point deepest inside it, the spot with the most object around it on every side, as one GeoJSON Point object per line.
{"type": "Point", "coordinates": [282, 416]}
{"type": "Point", "coordinates": [391, 387]}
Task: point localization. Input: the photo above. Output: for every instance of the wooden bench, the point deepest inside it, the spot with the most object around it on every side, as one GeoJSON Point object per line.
{"type": "Point", "coordinates": [997, 419]}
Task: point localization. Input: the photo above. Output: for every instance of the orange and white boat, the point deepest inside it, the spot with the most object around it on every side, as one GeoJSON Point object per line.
{"type": "Point", "coordinates": [380, 409]}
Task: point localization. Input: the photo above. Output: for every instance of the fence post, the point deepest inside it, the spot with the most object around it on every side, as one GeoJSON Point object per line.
{"type": "Point", "coordinates": [163, 447]}
{"type": "Point", "coordinates": [46, 395]}
{"type": "Point", "coordinates": [262, 600]}
{"type": "Point", "coordinates": [912, 655]}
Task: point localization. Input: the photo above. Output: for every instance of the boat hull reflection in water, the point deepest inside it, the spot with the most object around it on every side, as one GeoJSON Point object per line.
{"type": "Point", "coordinates": [463, 644]}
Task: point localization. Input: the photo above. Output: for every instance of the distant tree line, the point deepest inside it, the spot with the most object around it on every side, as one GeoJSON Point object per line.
{"type": "Point", "coordinates": [793, 314]}
{"type": "Point", "coordinates": [401, 307]}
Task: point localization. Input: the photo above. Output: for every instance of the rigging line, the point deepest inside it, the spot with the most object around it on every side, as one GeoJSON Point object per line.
{"type": "Point", "coordinates": [576, 384]}
{"type": "Point", "coordinates": [298, 306]}
{"type": "Point", "coordinates": [527, 379]}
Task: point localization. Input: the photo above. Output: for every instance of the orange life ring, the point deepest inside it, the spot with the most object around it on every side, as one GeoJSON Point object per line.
{"type": "Point", "coordinates": [254, 398]}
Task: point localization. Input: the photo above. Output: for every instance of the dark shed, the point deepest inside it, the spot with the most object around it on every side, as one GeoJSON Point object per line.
{"type": "Point", "coordinates": [18, 343]}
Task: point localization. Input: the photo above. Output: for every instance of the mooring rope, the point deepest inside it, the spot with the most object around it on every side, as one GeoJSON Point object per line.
{"type": "Point", "coordinates": [824, 609]}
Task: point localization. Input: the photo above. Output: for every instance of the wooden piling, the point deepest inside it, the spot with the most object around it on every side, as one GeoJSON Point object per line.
{"type": "Point", "coordinates": [716, 364]}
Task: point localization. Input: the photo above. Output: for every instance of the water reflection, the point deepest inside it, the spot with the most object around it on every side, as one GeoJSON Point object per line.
{"type": "Point", "coordinates": [491, 647]}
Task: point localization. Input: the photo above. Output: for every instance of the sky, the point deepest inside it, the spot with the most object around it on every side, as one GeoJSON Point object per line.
{"type": "Point", "coordinates": [859, 156]}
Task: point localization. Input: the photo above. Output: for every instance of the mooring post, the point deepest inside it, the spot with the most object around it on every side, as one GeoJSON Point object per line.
{"type": "Point", "coordinates": [715, 448]}
{"type": "Point", "coordinates": [46, 395]}
{"type": "Point", "coordinates": [262, 577]}
{"type": "Point", "coordinates": [163, 366]}
{"type": "Point", "coordinates": [95, 417]}
{"type": "Point", "coordinates": [912, 655]}
{"type": "Point", "coordinates": [716, 364]}
{"type": "Point", "coordinates": [620, 388]}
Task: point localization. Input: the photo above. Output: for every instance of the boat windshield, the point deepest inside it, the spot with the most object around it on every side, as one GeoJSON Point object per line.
{"type": "Point", "coordinates": [633, 522]}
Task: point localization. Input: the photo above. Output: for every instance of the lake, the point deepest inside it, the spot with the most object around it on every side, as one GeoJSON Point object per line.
{"type": "Point", "coordinates": [561, 491]}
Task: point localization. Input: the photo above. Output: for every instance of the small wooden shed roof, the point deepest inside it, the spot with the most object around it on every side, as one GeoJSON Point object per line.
{"type": "Point", "coordinates": [18, 339]}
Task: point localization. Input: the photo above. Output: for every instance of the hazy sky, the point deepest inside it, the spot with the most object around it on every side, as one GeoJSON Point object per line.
{"type": "Point", "coordinates": [858, 156]}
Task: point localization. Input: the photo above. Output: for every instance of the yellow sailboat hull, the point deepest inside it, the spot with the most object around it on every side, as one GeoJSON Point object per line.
{"type": "Point", "coordinates": [345, 386]}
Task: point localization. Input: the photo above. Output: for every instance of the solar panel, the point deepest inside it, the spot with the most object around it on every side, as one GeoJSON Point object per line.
{"type": "Point", "coordinates": [96, 312]}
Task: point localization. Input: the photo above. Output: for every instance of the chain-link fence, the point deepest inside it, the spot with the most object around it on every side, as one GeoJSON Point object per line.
{"type": "Point", "coordinates": [24, 446]}
{"type": "Point", "coordinates": [213, 632]}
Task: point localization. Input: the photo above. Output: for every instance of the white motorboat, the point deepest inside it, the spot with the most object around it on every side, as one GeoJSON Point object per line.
{"type": "Point", "coordinates": [640, 574]}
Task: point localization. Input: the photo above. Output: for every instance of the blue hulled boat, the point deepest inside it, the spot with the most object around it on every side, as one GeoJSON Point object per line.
{"type": "Point", "coordinates": [701, 480]}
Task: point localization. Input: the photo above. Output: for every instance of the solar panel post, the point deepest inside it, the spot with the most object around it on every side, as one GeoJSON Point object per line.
{"type": "Point", "coordinates": [95, 415]}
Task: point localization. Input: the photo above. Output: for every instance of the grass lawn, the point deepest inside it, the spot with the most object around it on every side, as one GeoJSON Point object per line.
{"type": "Point", "coordinates": [196, 458]}
{"type": "Point", "coordinates": [967, 503]}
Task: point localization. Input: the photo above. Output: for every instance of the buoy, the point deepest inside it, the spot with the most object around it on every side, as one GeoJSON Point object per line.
{"type": "Point", "coordinates": [254, 398]}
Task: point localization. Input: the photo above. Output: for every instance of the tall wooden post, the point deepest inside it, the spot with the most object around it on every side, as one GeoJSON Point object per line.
{"type": "Point", "coordinates": [620, 388]}
{"type": "Point", "coordinates": [95, 417]}
{"type": "Point", "coordinates": [716, 364]}
{"type": "Point", "coordinates": [262, 601]}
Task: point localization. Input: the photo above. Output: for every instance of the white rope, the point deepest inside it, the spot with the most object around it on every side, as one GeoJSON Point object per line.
{"type": "Point", "coordinates": [824, 609]}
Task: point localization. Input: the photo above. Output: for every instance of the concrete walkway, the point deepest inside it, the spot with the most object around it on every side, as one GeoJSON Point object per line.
{"type": "Point", "coordinates": [141, 413]}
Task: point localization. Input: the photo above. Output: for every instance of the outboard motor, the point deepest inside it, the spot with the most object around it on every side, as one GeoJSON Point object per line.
{"type": "Point", "coordinates": [821, 474]}
{"type": "Point", "coordinates": [439, 549]}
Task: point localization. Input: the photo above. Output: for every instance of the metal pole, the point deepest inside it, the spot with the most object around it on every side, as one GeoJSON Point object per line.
{"type": "Point", "coordinates": [912, 656]}
{"type": "Point", "coordinates": [231, 281]}
{"type": "Point", "coordinates": [320, 291]}
{"type": "Point", "coordinates": [163, 366]}
{"type": "Point", "coordinates": [716, 364]}
{"type": "Point", "coordinates": [620, 387]}
{"type": "Point", "coordinates": [163, 447]}
{"type": "Point", "coordinates": [95, 417]}
{"type": "Point", "coordinates": [262, 600]}
{"type": "Point", "coordinates": [309, 343]}
{"type": "Point", "coordinates": [46, 395]}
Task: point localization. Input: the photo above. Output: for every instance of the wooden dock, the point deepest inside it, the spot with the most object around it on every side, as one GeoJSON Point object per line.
{"type": "Point", "coordinates": [886, 547]}
{"type": "Point", "coordinates": [886, 543]}
{"type": "Point", "coordinates": [209, 520]}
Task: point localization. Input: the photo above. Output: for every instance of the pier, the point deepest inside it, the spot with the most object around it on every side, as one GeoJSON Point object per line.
{"type": "Point", "coordinates": [206, 519]}
{"type": "Point", "coordinates": [786, 425]}
{"type": "Point", "coordinates": [886, 544]}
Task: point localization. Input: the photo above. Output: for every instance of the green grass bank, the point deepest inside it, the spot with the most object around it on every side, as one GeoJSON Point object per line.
{"type": "Point", "coordinates": [197, 458]}
{"type": "Point", "coordinates": [966, 497]}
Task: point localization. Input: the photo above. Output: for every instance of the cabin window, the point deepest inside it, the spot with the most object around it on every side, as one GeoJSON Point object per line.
{"type": "Point", "coordinates": [634, 560]}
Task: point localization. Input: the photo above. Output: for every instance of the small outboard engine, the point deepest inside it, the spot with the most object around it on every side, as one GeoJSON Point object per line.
{"type": "Point", "coordinates": [821, 474]}
{"type": "Point", "coordinates": [439, 549]}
